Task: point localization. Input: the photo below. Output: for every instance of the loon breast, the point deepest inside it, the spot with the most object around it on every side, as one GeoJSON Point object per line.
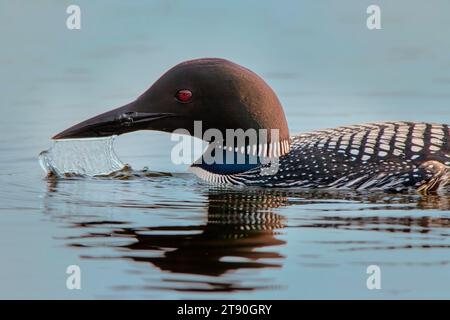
{"type": "Point", "coordinates": [393, 156]}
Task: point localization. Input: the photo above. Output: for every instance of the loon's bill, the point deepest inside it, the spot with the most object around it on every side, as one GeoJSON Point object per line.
{"type": "Point", "coordinates": [393, 156]}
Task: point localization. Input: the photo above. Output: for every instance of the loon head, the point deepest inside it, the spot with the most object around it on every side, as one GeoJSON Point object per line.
{"type": "Point", "coordinates": [219, 93]}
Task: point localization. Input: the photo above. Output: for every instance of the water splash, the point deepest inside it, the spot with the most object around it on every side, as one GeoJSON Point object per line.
{"type": "Point", "coordinates": [81, 157]}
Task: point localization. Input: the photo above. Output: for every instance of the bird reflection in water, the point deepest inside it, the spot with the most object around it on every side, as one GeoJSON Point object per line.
{"type": "Point", "coordinates": [237, 225]}
{"type": "Point", "coordinates": [240, 233]}
{"type": "Point", "coordinates": [243, 230]}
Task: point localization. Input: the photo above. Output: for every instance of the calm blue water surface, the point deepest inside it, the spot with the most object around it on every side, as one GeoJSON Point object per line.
{"type": "Point", "coordinates": [174, 237]}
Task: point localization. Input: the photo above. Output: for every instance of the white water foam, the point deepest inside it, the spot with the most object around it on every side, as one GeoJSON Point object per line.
{"type": "Point", "coordinates": [81, 157]}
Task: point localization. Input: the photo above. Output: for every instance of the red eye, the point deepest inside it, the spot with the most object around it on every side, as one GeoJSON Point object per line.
{"type": "Point", "coordinates": [184, 96]}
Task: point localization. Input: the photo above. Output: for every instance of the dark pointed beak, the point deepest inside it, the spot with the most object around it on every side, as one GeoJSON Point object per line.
{"type": "Point", "coordinates": [115, 122]}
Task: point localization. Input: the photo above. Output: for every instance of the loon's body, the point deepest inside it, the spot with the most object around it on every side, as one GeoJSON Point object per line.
{"type": "Point", "coordinates": [222, 95]}
{"type": "Point", "coordinates": [391, 156]}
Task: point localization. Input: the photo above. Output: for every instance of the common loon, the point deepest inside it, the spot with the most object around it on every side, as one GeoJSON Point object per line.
{"type": "Point", "coordinates": [391, 156]}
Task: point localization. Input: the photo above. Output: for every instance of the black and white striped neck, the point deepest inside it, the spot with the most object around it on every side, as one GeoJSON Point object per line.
{"type": "Point", "coordinates": [228, 161]}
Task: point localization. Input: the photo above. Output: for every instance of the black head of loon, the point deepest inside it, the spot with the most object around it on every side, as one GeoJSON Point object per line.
{"type": "Point", "coordinates": [219, 93]}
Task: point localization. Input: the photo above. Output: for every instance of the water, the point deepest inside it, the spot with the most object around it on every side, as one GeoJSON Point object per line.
{"type": "Point", "coordinates": [160, 233]}
{"type": "Point", "coordinates": [82, 157]}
